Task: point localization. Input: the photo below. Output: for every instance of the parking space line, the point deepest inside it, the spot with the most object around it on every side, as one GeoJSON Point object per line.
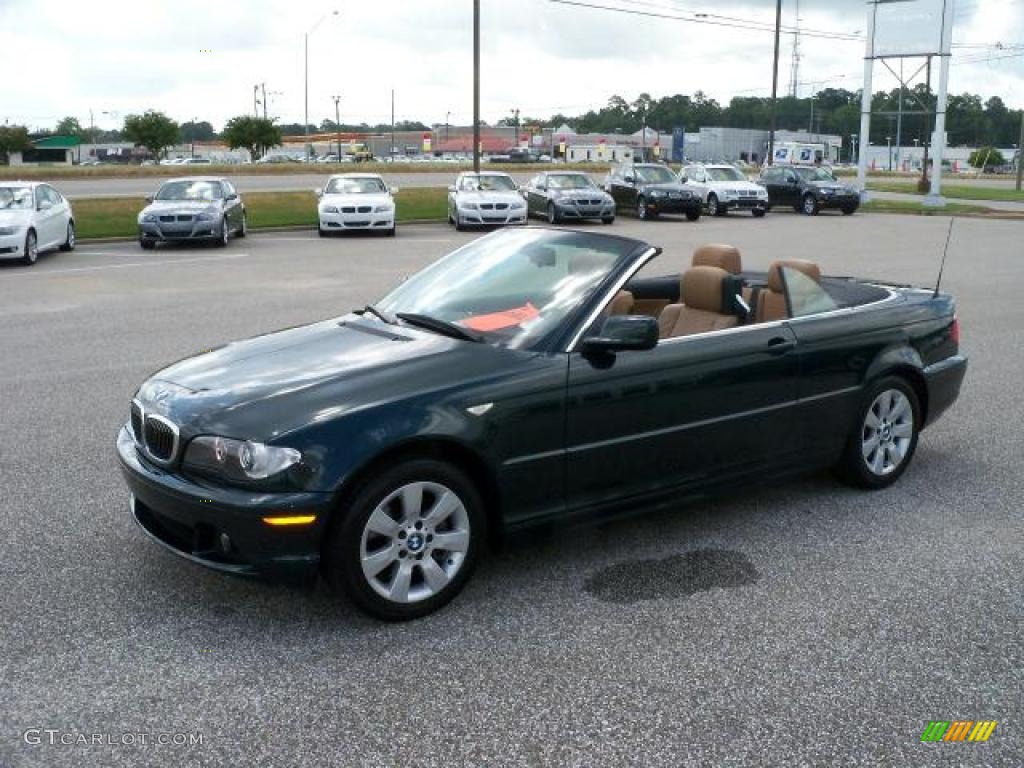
{"type": "Point", "coordinates": [101, 267]}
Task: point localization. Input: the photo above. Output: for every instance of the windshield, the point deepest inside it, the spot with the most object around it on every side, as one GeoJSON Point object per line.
{"type": "Point", "coordinates": [815, 174]}
{"type": "Point", "coordinates": [570, 181]}
{"type": "Point", "coordinates": [488, 183]}
{"type": "Point", "coordinates": [654, 174]}
{"type": "Point", "coordinates": [725, 174]}
{"type": "Point", "coordinates": [351, 186]}
{"type": "Point", "coordinates": [15, 198]}
{"type": "Point", "coordinates": [202, 191]}
{"type": "Point", "coordinates": [513, 287]}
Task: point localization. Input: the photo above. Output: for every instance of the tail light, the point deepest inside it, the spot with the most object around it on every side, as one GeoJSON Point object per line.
{"type": "Point", "coordinates": [954, 330]}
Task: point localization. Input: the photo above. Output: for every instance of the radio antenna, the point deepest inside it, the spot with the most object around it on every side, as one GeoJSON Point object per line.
{"type": "Point", "coordinates": [945, 251]}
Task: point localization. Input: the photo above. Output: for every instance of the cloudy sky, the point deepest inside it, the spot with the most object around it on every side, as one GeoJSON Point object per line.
{"type": "Point", "coordinates": [196, 58]}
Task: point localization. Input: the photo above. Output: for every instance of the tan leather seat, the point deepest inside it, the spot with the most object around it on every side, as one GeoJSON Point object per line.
{"type": "Point", "coordinates": [771, 301]}
{"type": "Point", "coordinates": [718, 255]}
{"type": "Point", "coordinates": [622, 304]}
{"type": "Point", "coordinates": [701, 310]}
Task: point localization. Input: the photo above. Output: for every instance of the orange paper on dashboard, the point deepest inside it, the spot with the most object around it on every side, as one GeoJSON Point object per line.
{"type": "Point", "coordinates": [507, 318]}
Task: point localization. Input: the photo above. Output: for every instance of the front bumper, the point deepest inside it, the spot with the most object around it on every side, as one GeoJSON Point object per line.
{"type": "Point", "coordinates": [179, 231]}
{"type": "Point", "coordinates": [744, 203]}
{"type": "Point", "coordinates": [574, 210]}
{"type": "Point", "coordinates": [839, 201]}
{"type": "Point", "coordinates": [674, 205]}
{"type": "Point", "coordinates": [943, 380]}
{"type": "Point", "coordinates": [358, 218]}
{"type": "Point", "coordinates": [192, 519]}
{"type": "Point", "coordinates": [12, 246]}
{"type": "Point", "coordinates": [492, 217]}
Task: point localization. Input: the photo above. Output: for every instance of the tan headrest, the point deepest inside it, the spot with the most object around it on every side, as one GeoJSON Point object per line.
{"type": "Point", "coordinates": [718, 255]}
{"type": "Point", "coordinates": [809, 268]}
{"type": "Point", "coordinates": [702, 288]}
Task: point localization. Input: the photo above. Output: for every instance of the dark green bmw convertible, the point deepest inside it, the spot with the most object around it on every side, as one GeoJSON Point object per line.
{"type": "Point", "coordinates": [531, 378]}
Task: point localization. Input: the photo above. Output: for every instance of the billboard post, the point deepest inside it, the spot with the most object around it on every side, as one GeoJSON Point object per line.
{"type": "Point", "coordinates": [934, 197]}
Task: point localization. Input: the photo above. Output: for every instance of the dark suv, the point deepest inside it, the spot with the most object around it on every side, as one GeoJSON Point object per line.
{"type": "Point", "coordinates": [650, 189]}
{"type": "Point", "coordinates": [808, 189]}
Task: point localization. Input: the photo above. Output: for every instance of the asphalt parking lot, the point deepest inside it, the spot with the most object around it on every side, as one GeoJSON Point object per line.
{"type": "Point", "coordinates": [798, 623]}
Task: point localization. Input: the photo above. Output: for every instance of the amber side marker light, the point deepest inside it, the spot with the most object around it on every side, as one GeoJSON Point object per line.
{"type": "Point", "coordinates": [290, 520]}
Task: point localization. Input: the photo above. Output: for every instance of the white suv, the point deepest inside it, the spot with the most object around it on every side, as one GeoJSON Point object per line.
{"type": "Point", "coordinates": [723, 187]}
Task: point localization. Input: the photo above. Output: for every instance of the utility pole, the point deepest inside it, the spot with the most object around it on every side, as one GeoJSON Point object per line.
{"type": "Point", "coordinates": [775, 83]}
{"type": "Point", "coordinates": [337, 122]}
{"type": "Point", "coordinates": [263, 87]}
{"type": "Point", "coordinates": [476, 85]}
{"type": "Point", "coordinates": [392, 156]}
{"type": "Point", "coordinates": [515, 114]}
{"type": "Point", "coordinates": [1020, 152]}
{"type": "Point", "coordinates": [928, 95]}
{"type": "Point", "coordinates": [447, 116]}
{"type": "Point", "coordinates": [256, 100]}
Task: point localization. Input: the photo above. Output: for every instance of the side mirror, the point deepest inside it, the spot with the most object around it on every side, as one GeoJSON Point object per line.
{"type": "Point", "coordinates": [44, 205]}
{"type": "Point", "coordinates": [629, 179]}
{"type": "Point", "coordinates": [232, 196]}
{"type": "Point", "coordinates": [451, 187]}
{"type": "Point", "coordinates": [319, 192]}
{"type": "Point", "coordinates": [624, 332]}
{"type": "Point", "coordinates": [791, 179]}
{"type": "Point", "coordinates": [149, 198]}
{"type": "Point", "coordinates": [394, 190]}
{"type": "Point", "coordinates": [683, 179]}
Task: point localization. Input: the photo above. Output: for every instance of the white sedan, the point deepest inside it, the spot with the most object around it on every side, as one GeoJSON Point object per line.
{"type": "Point", "coordinates": [723, 188]}
{"type": "Point", "coordinates": [485, 199]}
{"type": "Point", "coordinates": [356, 201]}
{"type": "Point", "coordinates": [34, 217]}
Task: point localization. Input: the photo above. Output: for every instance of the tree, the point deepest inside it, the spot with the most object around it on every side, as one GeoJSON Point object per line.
{"type": "Point", "coordinates": [193, 131]}
{"type": "Point", "coordinates": [153, 130]}
{"type": "Point", "coordinates": [252, 133]}
{"type": "Point", "coordinates": [13, 138]}
{"type": "Point", "coordinates": [987, 157]}
{"type": "Point", "coordinates": [69, 126]}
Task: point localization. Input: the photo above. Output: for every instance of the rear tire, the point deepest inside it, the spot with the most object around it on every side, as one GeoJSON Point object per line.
{"type": "Point", "coordinates": [393, 523]}
{"type": "Point", "coordinates": [884, 436]}
{"type": "Point", "coordinates": [243, 230]}
{"type": "Point", "coordinates": [69, 242]}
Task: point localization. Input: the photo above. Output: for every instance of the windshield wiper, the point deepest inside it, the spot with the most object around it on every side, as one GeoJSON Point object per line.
{"type": "Point", "coordinates": [440, 326]}
{"type": "Point", "coordinates": [379, 313]}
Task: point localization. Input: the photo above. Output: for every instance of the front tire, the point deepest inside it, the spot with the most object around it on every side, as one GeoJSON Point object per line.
{"type": "Point", "coordinates": [848, 210]}
{"type": "Point", "coordinates": [641, 209]}
{"type": "Point", "coordinates": [146, 245]}
{"type": "Point", "coordinates": [693, 215]}
{"type": "Point", "coordinates": [884, 437]}
{"type": "Point", "coordinates": [553, 217]}
{"type": "Point", "coordinates": [408, 541]}
{"type": "Point", "coordinates": [608, 220]}
{"type": "Point", "coordinates": [714, 207]}
{"type": "Point", "coordinates": [809, 205]}
{"type": "Point", "coordinates": [69, 242]}
{"type": "Point", "coordinates": [31, 249]}
{"type": "Point", "coordinates": [224, 236]}
{"type": "Point", "coordinates": [758, 213]}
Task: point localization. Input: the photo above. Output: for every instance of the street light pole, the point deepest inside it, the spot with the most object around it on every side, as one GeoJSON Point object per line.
{"type": "Point", "coordinates": [337, 123]}
{"type": "Point", "coordinates": [447, 116]}
{"type": "Point", "coordinates": [305, 122]}
{"type": "Point", "coordinates": [476, 86]}
{"type": "Point", "coordinates": [515, 114]}
{"type": "Point", "coordinates": [194, 135]}
{"type": "Point", "coordinates": [1020, 152]}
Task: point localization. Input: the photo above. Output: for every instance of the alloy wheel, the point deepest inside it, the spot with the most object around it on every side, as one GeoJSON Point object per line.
{"type": "Point", "coordinates": [887, 432]}
{"type": "Point", "coordinates": [713, 205]}
{"type": "Point", "coordinates": [552, 214]}
{"type": "Point", "coordinates": [31, 248]}
{"type": "Point", "coordinates": [810, 205]}
{"type": "Point", "coordinates": [69, 244]}
{"type": "Point", "coordinates": [641, 208]}
{"type": "Point", "coordinates": [415, 542]}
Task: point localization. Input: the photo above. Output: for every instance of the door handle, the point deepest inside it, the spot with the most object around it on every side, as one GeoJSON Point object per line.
{"type": "Point", "coordinates": [780, 345]}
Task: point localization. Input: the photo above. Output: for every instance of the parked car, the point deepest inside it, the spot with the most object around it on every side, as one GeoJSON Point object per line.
{"type": "Point", "coordinates": [722, 188]}
{"type": "Point", "coordinates": [195, 161]}
{"type": "Point", "coordinates": [559, 195]}
{"type": "Point", "coordinates": [360, 201]}
{"type": "Point", "coordinates": [484, 199]}
{"type": "Point", "coordinates": [518, 382]}
{"type": "Point", "coordinates": [808, 189]}
{"type": "Point", "coordinates": [34, 217]}
{"type": "Point", "coordinates": [194, 208]}
{"type": "Point", "coordinates": [651, 189]}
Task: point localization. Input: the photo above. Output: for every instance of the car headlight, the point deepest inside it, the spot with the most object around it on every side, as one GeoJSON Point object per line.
{"type": "Point", "coordinates": [7, 231]}
{"type": "Point", "coordinates": [328, 209]}
{"type": "Point", "coordinates": [383, 208]}
{"type": "Point", "coordinates": [828, 191]}
{"type": "Point", "coordinates": [657, 193]}
{"type": "Point", "coordinates": [468, 206]}
{"type": "Point", "coordinates": [243, 460]}
{"type": "Point", "coordinates": [150, 217]}
{"type": "Point", "coordinates": [204, 217]}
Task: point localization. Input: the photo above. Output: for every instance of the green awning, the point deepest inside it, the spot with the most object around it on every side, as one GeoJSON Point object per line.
{"type": "Point", "coordinates": [56, 142]}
